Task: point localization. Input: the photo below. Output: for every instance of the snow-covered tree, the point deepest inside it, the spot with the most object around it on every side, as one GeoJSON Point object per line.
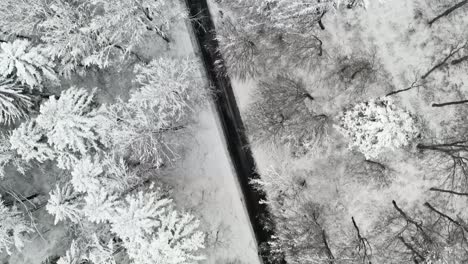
{"type": "Point", "coordinates": [251, 43]}
{"type": "Point", "coordinates": [64, 204]}
{"type": "Point", "coordinates": [65, 130]}
{"type": "Point", "coordinates": [153, 232]}
{"type": "Point", "coordinates": [13, 227]}
{"type": "Point", "coordinates": [85, 175]}
{"type": "Point", "coordinates": [144, 128]}
{"type": "Point", "coordinates": [69, 121]}
{"type": "Point", "coordinates": [28, 141]}
{"type": "Point", "coordinates": [126, 22]}
{"type": "Point", "coordinates": [26, 63]}
{"type": "Point", "coordinates": [139, 134]}
{"type": "Point", "coordinates": [9, 157]}
{"type": "Point", "coordinates": [139, 215]}
{"type": "Point", "coordinates": [173, 88]}
{"type": "Point", "coordinates": [89, 32]}
{"type": "Point", "coordinates": [378, 125]}
{"type": "Point", "coordinates": [240, 48]}
{"type": "Point", "coordinates": [14, 103]}
{"type": "Point", "coordinates": [280, 114]}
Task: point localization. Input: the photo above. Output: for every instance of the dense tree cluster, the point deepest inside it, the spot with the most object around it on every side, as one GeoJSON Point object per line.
{"type": "Point", "coordinates": [107, 154]}
{"type": "Point", "coordinates": [390, 183]}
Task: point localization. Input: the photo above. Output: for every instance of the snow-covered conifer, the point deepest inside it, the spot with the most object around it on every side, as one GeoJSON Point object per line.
{"type": "Point", "coordinates": [65, 130]}
{"type": "Point", "coordinates": [139, 215]}
{"type": "Point", "coordinates": [12, 228]}
{"type": "Point", "coordinates": [69, 121]}
{"type": "Point", "coordinates": [9, 157]}
{"type": "Point", "coordinates": [28, 141]}
{"type": "Point", "coordinates": [153, 232]}
{"type": "Point", "coordinates": [176, 241]}
{"type": "Point", "coordinates": [14, 103]}
{"type": "Point", "coordinates": [85, 175]}
{"type": "Point", "coordinates": [172, 87]}
{"type": "Point", "coordinates": [139, 133]}
{"type": "Point", "coordinates": [64, 204]}
{"type": "Point", "coordinates": [100, 206]}
{"type": "Point", "coordinates": [90, 32]}
{"type": "Point", "coordinates": [378, 125]}
{"type": "Point", "coordinates": [20, 60]}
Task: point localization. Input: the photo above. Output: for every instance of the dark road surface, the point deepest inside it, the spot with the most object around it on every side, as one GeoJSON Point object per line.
{"type": "Point", "coordinates": [232, 125]}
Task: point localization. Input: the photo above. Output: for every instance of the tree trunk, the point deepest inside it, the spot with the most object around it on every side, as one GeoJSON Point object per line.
{"type": "Point", "coordinates": [448, 12]}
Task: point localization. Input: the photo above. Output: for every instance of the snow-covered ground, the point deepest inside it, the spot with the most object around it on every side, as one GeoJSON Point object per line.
{"type": "Point", "coordinates": [204, 182]}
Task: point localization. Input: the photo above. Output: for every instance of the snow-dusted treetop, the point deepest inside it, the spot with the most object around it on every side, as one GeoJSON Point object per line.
{"type": "Point", "coordinates": [378, 125]}
{"type": "Point", "coordinates": [14, 104]}
{"type": "Point", "coordinates": [66, 129]}
{"type": "Point", "coordinates": [171, 87]}
{"type": "Point", "coordinates": [20, 60]}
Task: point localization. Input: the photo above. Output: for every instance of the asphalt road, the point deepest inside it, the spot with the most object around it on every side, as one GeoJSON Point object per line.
{"type": "Point", "coordinates": [230, 118]}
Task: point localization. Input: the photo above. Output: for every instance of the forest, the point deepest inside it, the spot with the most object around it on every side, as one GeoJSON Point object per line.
{"type": "Point", "coordinates": [112, 151]}
{"type": "Point", "coordinates": [356, 113]}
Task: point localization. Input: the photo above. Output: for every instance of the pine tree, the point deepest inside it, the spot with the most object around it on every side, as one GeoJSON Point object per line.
{"type": "Point", "coordinates": [176, 241]}
{"type": "Point", "coordinates": [153, 232]}
{"type": "Point", "coordinates": [100, 206]}
{"type": "Point", "coordinates": [90, 32]}
{"type": "Point", "coordinates": [139, 215]}
{"type": "Point", "coordinates": [173, 88]}
{"type": "Point", "coordinates": [139, 134]}
{"type": "Point", "coordinates": [64, 204]}
{"type": "Point", "coordinates": [20, 60]}
{"type": "Point", "coordinates": [9, 157]}
{"type": "Point", "coordinates": [12, 228]}
{"type": "Point", "coordinates": [69, 121]}
{"type": "Point", "coordinates": [85, 175]}
{"type": "Point", "coordinates": [14, 103]}
{"type": "Point", "coordinates": [65, 130]}
{"type": "Point", "coordinates": [28, 141]}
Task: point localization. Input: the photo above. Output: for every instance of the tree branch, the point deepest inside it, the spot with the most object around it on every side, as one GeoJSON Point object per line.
{"type": "Point", "coordinates": [450, 103]}
{"type": "Point", "coordinates": [428, 205]}
{"type": "Point", "coordinates": [413, 85]}
{"type": "Point", "coordinates": [448, 12]}
{"type": "Point", "coordinates": [448, 191]}
{"type": "Point", "coordinates": [412, 249]}
{"type": "Point", "coordinates": [452, 52]}
{"type": "Point", "coordinates": [327, 248]}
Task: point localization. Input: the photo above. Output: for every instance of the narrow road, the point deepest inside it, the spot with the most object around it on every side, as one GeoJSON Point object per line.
{"type": "Point", "coordinates": [232, 124]}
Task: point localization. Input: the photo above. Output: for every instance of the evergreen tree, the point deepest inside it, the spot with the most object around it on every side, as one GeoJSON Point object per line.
{"type": "Point", "coordinates": [20, 60]}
